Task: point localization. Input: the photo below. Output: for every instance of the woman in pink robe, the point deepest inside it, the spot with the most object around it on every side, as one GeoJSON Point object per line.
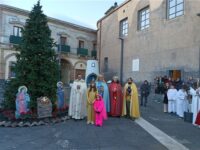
{"type": "Point", "coordinates": [100, 111]}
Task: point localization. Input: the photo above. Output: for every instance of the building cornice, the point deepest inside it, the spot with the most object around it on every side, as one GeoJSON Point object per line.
{"type": "Point", "coordinates": [50, 19]}
{"type": "Point", "coordinates": [111, 12]}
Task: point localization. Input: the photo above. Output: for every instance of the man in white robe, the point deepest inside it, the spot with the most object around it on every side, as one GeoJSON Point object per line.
{"type": "Point", "coordinates": [180, 102]}
{"type": "Point", "coordinates": [171, 94]}
{"type": "Point", "coordinates": [77, 104]}
{"type": "Point", "coordinates": [195, 103]}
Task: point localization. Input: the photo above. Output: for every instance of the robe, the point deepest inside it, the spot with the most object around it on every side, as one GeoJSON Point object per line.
{"type": "Point", "coordinates": [91, 96]}
{"type": "Point", "coordinates": [22, 102]}
{"type": "Point", "coordinates": [104, 92]}
{"type": "Point", "coordinates": [116, 99]}
{"type": "Point", "coordinates": [181, 102]}
{"type": "Point", "coordinates": [134, 104]}
{"type": "Point", "coordinates": [171, 95]}
{"type": "Point", "coordinates": [77, 103]}
{"type": "Point", "coordinates": [100, 111]}
{"type": "Point", "coordinates": [196, 107]}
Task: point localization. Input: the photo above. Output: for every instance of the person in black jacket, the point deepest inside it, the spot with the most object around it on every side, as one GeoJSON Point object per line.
{"type": "Point", "coordinates": [144, 91]}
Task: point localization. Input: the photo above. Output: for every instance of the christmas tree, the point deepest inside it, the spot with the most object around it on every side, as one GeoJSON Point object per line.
{"type": "Point", "coordinates": [36, 65]}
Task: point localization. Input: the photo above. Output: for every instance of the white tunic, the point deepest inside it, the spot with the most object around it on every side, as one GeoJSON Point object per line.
{"type": "Point", "coordinates": [77, 104]}
{"type": "Point", "coordinates": [181, 102]}
{"type": "Point", "coordinates": [195, 103]}
{"type": "Point", "coordinates": [171, 95]}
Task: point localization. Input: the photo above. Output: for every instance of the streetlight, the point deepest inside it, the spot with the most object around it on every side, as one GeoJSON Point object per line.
{"type": "Point", "coordinates": [59, 61]}
{"type": "Point", "coordinates": [121, 59]}
{"type": "Point", "coordinates": [199, 50]}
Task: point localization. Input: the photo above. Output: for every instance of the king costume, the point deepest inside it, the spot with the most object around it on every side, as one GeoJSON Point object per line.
{"type": "Point", "coordinates": [131, 102]}
{"type": "Point", "coordinates": [116, 99]}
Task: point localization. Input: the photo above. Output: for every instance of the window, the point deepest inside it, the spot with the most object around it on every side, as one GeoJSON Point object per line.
{"type": "Point", "coordinates": [143, 19]}
{"type": "Point", "coordinates": [11, 71]}
{"type": "Point", "coordinates": [106, 64]}
{"type": "Point", "coordinates": [17, 31]}
{"type": "Point", "coordinates": [63, 40]}
{"type": "Point", "coordinates": [175, 8]}
{"type": "Point", "coordinates": [123, 28]}
{"type": "Point", "coordinates": [94, 46]}
{"type": "Point", "coordinates": [81, 44]}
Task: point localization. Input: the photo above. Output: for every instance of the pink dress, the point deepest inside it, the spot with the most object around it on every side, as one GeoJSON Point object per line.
{"type": "Point", "coordinates": [100, 111]}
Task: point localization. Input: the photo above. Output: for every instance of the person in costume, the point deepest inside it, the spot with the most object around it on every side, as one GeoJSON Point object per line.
{"type": "Point", "coordinates": [91, 96]}
{"type": "Point", "coordinates": [181, 98]}
{"type": "Point", "coordinates": [22, 102]}
{"type": "Point", "coordinates": [100, 111]}
{"type": "Point", "coordinates": [171, 96]}
{"type": "Point", "coordinates": [103, 91]}
{"type": "Point", "coordinates": [130, 103]}
{"type": "Point", "coordinates": [116, 98]}
{"type": "Point", "coordinates": [196, 107]}
{"type": "Point", "coordinates": [77, 103]}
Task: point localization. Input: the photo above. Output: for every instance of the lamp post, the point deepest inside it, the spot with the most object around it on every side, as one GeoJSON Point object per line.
{"type": "Point", "coordinates": [121, 59]}
{"type": "Point", "coordinates": [199, 50]}
{"type": "Point", "coordinates": [59, 61]}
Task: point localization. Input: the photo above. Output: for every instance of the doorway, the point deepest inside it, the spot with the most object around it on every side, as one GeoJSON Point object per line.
{"type": "Point", "coordinates": [175, 74]}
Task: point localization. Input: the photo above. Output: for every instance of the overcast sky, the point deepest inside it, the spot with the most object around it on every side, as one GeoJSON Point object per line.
{"type": "Point", "coordinates": [82, 12]}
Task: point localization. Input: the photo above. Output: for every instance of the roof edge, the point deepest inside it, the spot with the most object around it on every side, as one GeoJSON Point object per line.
{"type": "Point", "coordinates": [50, 19]}
{"type": "Point", "coordinates": [124, 3]}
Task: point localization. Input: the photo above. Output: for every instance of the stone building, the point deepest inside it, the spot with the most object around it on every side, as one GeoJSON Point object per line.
{"type": "Point", "coordinates": [157, 37]}
{"type": "Point", "coordinates": [76, 44]}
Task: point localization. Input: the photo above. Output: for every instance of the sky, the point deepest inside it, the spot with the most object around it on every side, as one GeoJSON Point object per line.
{"type": "Point", "coordinates": [81, 12]}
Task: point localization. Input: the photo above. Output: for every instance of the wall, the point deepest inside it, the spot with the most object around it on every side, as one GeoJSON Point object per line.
{"type": "Point", "coordinates": [166, 45]}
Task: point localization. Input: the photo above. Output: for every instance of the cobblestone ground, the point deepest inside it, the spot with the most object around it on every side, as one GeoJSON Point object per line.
{"type": "Point", "coordinates": [116, 134]}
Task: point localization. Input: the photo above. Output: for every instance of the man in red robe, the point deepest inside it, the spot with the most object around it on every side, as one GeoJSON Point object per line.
{"type": "Point", "coordinates": [116, 98]}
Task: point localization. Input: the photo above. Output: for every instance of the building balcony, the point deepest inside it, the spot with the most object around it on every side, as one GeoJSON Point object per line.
{"type": "Point", "coordinates": [15, 39]}
{"type": "Point", "coordinates": [82, 51]}
{"type": "Point", "coordinates": [94, 53]}
{"type": "Point", "coordinates": [64, 48]}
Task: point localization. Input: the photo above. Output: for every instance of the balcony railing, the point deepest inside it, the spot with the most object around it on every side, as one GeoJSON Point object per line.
{"type": "Point", "coordinates": [94, 53]}
{"type": "Point", "coordinates": [82, 51]}
{"type": "Point", "coordinates": [64, 48]}
{"type": "Point", "coordinates": [15, 39]}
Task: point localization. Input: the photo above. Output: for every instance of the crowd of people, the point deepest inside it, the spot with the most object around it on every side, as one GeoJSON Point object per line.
{"type": "Point", "coordinates": [180, 97]}
{"type": "Point", "coordinates": [100, 100]}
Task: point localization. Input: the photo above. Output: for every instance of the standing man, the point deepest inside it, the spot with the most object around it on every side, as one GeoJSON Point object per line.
{"type": "Point", "coordinates": [77, 104]}
{"type": "Point", "coordinates": [130, 103]}
{"type": "Point", "coordinates": [103, 91]}
{"type": "Point", "coordinates": [145, 90]}
{"type": "Point", "coordinates": [116, 98]}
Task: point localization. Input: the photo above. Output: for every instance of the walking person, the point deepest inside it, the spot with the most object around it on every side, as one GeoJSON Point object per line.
{"type": "Point", "coordinates": [144, 92]}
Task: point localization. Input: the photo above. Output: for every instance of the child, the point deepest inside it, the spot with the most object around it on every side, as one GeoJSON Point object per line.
{"type": "Point", "coordinates": [100, 111]}
{"type": "Point", "coordinates": [91, 96]}
{"type": "Point", "coordinates": [171, 95]}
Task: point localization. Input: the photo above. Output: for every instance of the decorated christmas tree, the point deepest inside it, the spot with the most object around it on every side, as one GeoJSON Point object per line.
{"type": "Point", "coordinates": [36, 65]}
